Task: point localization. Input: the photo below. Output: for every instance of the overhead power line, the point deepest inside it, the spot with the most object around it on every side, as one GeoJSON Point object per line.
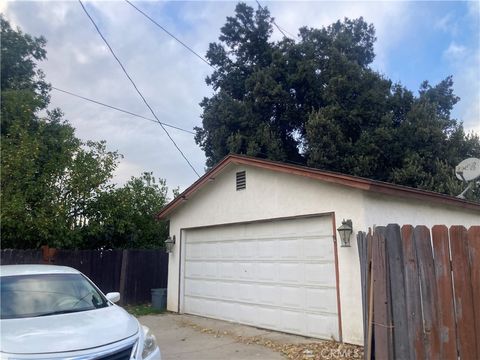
{"type": "Point", "coordinates": [135, 86]}
{"type": "Point", "coordinates": [121, 110]}
{"type": "Point", "coordinates": [289, 33]}
{"type": "Point", "coordinates": [274, 23]}
{"type": "Point", "coordinates": [169, 33]}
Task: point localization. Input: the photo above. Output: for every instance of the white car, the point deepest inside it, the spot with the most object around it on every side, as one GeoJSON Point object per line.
{"type": "Point", "coordinates": [56, 312]}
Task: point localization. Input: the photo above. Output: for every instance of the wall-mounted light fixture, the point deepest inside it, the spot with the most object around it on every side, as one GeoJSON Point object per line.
{"type": "Point", "coordinates": [169, 244]}
{"type": "Point", "coordinates": [345, 232]}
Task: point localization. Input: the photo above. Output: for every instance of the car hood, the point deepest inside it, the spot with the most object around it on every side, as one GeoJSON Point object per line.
{"type": "Point", "coordinates": [67, 332]}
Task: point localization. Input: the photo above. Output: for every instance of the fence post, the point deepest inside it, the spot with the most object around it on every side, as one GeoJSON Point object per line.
{"type": "Point", "coordinates": [123, 277]}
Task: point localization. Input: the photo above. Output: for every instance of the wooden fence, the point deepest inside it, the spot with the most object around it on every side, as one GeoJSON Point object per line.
{"type": "Point", "coordinates": [421, 292]}
{"type": "Point", "coordinates": [131, 272]}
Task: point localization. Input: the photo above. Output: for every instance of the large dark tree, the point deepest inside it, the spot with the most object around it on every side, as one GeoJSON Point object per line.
{"type": "Point", "coordinates": [317, 102]}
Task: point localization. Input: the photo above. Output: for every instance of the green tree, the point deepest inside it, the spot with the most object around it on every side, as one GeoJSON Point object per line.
{"type": "Point", "coordinates": [52, 182]}
{"type": "Point", "coordinates": [317, 102]}
{"type": "Point", "coordinates": [126, 217]}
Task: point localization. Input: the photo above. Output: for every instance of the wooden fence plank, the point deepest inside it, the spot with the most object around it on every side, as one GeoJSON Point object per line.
{"type": "Point", "coordinates": [397, 291]}
{"type": "Point", "coordinates": [444, 298]}
{"type": "Point", "coordinates": [474, 255]}
{"type": "Point", "coordinates": [14, 256]}
{"type": "Point", "coordinates": [412, 295]}
{"type": "Point", "coordinates": [381, 312]}
{"type": "Point", "coordinates": [462, 281]}
{"type": "Point", "coordinates": [362, 254]}
{"type": "Point", "coordinates": [368, 352]}
{"type": "Point", "coordinates": [123, 278]}
{"type": "Point", "coordinates": [428, 289]}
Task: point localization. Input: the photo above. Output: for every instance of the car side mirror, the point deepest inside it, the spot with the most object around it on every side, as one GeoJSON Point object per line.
{"type": "Point", "coordinates": [113, 297]}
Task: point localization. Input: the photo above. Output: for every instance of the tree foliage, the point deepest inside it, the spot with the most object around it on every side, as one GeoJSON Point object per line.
{"type": "Point", "coordinates": [126, 217]}
{"type": "Point", "coordinates": [317, 102]}
{"type": "Point", "coordinates": [53, 185]}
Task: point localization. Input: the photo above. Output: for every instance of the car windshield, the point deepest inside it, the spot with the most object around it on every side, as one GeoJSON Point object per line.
{"type": "Point", "coordinates": [47, 294]}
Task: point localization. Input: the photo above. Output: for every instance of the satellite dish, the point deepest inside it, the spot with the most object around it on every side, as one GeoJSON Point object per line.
{"type": "Point", "coordinates": [468, 171]}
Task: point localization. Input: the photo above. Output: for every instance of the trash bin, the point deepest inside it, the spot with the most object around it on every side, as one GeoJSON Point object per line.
{"type": "Point", "coordinates": [159, 299]}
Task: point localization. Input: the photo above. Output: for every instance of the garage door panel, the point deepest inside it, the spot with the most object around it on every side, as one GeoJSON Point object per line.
{"type": "Point", "coordinates": [320, 274]}
{"type": "Point", "coordinates": [291, 273]}
{"type": "Point", "coordinates": [290, 249]}
{"type": "Point", "coordinates": [268, 318]}
{"type": "Point", "coordinates": [321, 300]}
{"type": "Point", "coordinates": [194, 269]}
{"type": "Point", "coordinates": [210, 289]}
{"type": "Point", "coordinates": [226, 270]}
{"type": "Point", "coordinates": [247, 314]}
{"type": "Point", "coordinates": [276, 274]}
{"type": "Point", "coordinates": [210, 250]}
{"type": "Point", "coordinates": [194, 305]}
{"type": "Point", "coordinates": [227, 291]}
{"type": "Point", "coordinates": [193, 288]}
{"type": "Point", "coordinates": [268, 294]}
{"type": "Point", "coordinates": [292, 297]}
{"type": "Point", "coordinates": [288, 228]}
{"type": "Point", "coordinates": [226, 310]}
{"type": "Point", "coordinates": [322, 326]}
{"type": "Point", "coordinates": [246, 271]}
{"type": "Point", "coordinates": [267, 272]}
{"type": "Point", "coordinates": [293, 321]}
{"type": "Point", "coordinates": [257, 231]}
{"type": "Point", "coordinates": [246, 292]}
{"type": "Point", "coordinates": [264, 249]}
{"type": "Point", "coordinates": [246, 249]}
{"type": "Point", "coordinates": [209, 269]}
{"type": "Point", "coordinates": [194, 251]}
{"type": "Point", "coordinates": [226, 249]}
{"type": "Point", "coordinates": [314, 252]}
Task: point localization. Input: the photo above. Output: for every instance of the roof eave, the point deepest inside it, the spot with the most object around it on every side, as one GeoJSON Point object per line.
{"type": "Point", "coordinates": [331, 177]}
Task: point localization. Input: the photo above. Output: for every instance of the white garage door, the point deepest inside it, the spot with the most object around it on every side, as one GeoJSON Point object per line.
{"type": "Point", "coordinates": [276, 275]}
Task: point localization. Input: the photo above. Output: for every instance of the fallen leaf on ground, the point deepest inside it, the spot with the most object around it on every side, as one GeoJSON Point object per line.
{"type": "Point", "coordinates": [318, 350]}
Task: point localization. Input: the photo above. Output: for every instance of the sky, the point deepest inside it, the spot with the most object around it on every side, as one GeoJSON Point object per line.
{"type": "Point", "coordinates": [416, 41]}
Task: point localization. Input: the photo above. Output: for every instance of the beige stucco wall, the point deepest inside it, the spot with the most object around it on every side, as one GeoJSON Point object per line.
{"type": "Point", "coordinates": [272, 194]}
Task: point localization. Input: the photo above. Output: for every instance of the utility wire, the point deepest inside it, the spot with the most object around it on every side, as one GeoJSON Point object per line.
{"type": "Point", "coordinates": [119, 109]}
{"type": "Point", "coordinates": [135, 86]}
{"type": "Point", "coordinates": [169, 33]}
{"type": "Point", "coordinates": [279, 29]}
{"type": "Point", "coordinates": [289, 33]}
{"type": "Point", "coordinates": [273, 21]}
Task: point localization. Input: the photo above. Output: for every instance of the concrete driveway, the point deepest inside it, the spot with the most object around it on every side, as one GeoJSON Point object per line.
{"type": "Point", "coordinates": [186, 337]}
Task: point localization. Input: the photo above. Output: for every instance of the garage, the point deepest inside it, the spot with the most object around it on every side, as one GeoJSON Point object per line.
{"type": "Point", "coordinates": [255, 241]}
{"type": "Point", "coordinates": [277, 274]}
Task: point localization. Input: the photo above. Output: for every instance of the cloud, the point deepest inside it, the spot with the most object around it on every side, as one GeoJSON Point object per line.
{"type": "Point", "coordinates": [464, 61]}
{"type": "Point", "coordinates": [78, 61]}
{"type": "Point", "coordinates": [467, 87]}
{"type": "Point", "coordinates": [455, 51]}
{"type": "Point", "coordinates": [474, 9]}
{"type": "Point", "coordinates": [171, 78]}
{"type": "Point", "coordinates": [3, 6]}
{"type": "Point", "coordinates": [448, 24]}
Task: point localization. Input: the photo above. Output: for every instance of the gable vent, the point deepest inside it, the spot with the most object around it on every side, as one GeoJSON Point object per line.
{"type": "Point", "coordinates": [241, 180]}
